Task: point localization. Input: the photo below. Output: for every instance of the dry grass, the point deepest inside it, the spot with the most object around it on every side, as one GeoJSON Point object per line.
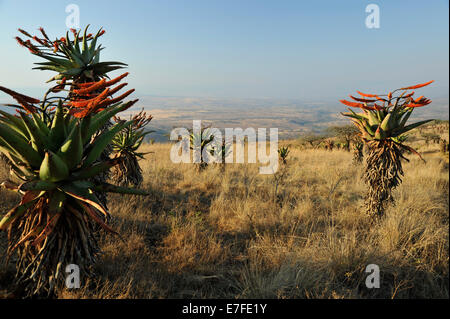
{"type": "Point", "coordinates": [298, 234]}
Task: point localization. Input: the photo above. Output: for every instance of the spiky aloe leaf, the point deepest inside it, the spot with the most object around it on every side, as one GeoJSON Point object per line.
{"type": "Point", "coordinates": [15, 123]}
{"type": "Point", "coordinates": [41, 141]}
{"type": "Point", "coordinates": [19, 146]}
{"type": "Point", "coordinates": [94, 170]}
{"type": "Point", "coordinates": [15, 213]}
{"type": "Point", "coordinates": [57, 131]}
{"type": "Point", "coordinates": [72, 149]}
{"type": "Point", "coordinates": [386, 123]}
{"type": "Point", "coordinates": [84, 195]}
{"type": "Point", "coordinates": [53, 168]}
{"type": "Point", "coordinates": [37, 185]}
{"type": "Point", "coordinates": [102, 141]}
{"type": "Point", "coordinates": [407, 128]}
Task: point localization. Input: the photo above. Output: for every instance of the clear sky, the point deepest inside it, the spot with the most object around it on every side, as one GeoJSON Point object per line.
{"type": "Point", "coordinates": [311, 50]}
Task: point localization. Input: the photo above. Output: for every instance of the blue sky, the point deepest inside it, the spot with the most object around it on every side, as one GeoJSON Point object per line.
{"type": "Point", "coordinates": [310, 50]}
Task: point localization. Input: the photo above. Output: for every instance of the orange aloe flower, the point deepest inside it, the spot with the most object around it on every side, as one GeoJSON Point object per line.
{"type": "Point", "coordinates": [361, 100]}
{"type": "Point", "coordinates": [107, 102]}
{"type": "Point", "coordinates": [417, 86]}
{"type": "Point", "coordinates": [85, 103]}
{"type": "Point", "coordinates": [351, 104]}
{"type": "Point", "coordinates": [117, 88]}
{"type": "Point", "coordinates": [96, 86]}
{"type": "Point", "coordinates": [421, 101]}
{"type": "Point", "coordinates": [367, 95]}
{"type": "Point", "coordinates": [108, 83]}
{"type": "Point", "coordinates": [18, 96]}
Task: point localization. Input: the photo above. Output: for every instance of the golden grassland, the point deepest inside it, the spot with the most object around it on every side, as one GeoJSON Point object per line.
{"type": "Point", "coordinates": [301, 233]}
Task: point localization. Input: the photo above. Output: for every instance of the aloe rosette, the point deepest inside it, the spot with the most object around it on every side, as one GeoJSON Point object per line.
{"type": "Point", "coordinates": [75, 59]}
{"type": "Point", "coordinates": [382, 126]}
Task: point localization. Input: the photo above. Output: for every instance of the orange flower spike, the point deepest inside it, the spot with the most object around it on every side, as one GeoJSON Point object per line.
{"type": "Point", "coordinates": [117, 79]}
{"type": "Point", "coordinates": [102, 95]}
{"type": "Point", "coordinates": [43, 33]}
{"type": "Point", "coordinates": [419, 103]}
{"type": "Point", "coordinates": [117, 88]}
{"type": "Point", "coordinates": [415, 105]}
{"type": "Point", "coordinates": [121, 97]}
{"type": "Point", "coordinates": [115, 100]}
{"type": "Point", "coordinates": [130, 104]}
{"type": "Point", "coordinates": [367, 95]}
{"type": "Point", "coordinates": [18, 96]}
{"type": "Point", "coordinates": [79, 104]}
{"type": "Point", "coordinates": [20, 41]}
{"type": "Point", "coordinates": [380, 99]}
{"type": "Point", "coordinates": [417, 86]}
{"type": "Point", "coordinates": [96, 86]}
{"type": "Point", "coordinates": [55, 47]}
{"type": "Point", "coordinates": [35, 38]}
{"type": "Point", "coordinates": [85, 85]}
{"type": "Point", "coordinates": [351, 104]}
{"type": "Point", "coordinates": [28, 107]}
{"type": "Point", "coordinates": [97, 99]}
{"type": "Point", "coordinates": [418, 99]}
{"type": "Point", "coordinates": [361, 100]}
{"type": "Point", "coordinates": [78, 113]}
{"type": "Point", "coordinates": [24, 33]}
{"type": "Point", "coordinates": [390, 95]}
{"type": "Point", "coordinates": [409, 95]}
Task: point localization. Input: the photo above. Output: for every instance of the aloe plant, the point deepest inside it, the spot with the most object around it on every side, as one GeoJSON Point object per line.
{"type": "Point", "coordinates": [283, 153]}
{"type": "Point", "coordinates": [382, 126]}
{"type": "Point", "coordinates": [54, 147]}
{"type": "Point", "coordinates": [201, 140]}
{"type": "Point", "coordinates": [126, 146]}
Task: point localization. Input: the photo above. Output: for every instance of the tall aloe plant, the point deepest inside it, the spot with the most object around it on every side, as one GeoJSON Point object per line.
{"type": "Point", "coordinates": [54, 147]}
{"type": "Point", "coordinates": [382, 125]}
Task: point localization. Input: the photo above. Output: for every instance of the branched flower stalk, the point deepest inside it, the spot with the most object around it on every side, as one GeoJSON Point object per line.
{"type": "Point", "coordinates": [382, 125]}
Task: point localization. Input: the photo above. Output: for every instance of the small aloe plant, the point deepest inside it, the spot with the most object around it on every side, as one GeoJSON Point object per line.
{"type": "Point", "coordinates": [125, 145]}
{"type": "Point", "coordinates": [283, 153]}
